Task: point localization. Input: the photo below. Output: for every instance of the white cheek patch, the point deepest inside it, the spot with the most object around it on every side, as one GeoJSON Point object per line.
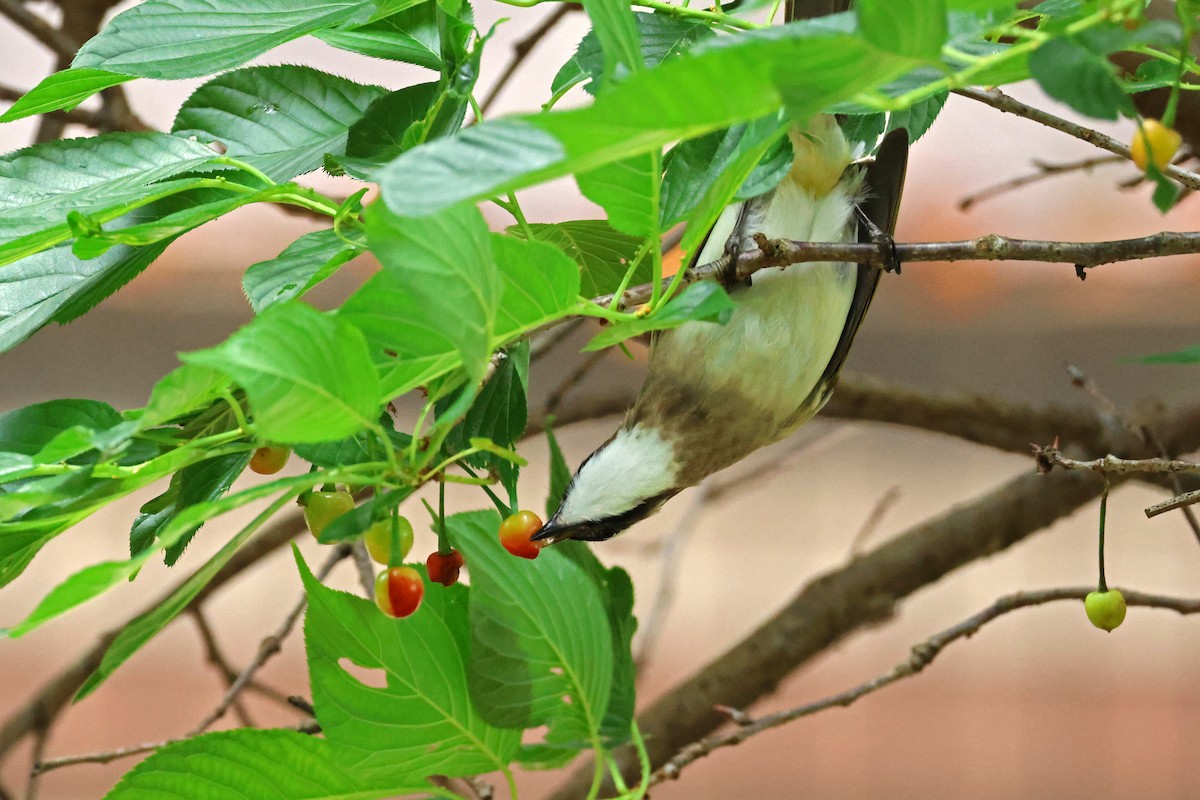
{"type": "Point", "coordinates": [636, 465]}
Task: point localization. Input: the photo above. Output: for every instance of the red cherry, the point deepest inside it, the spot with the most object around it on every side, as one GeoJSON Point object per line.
{"type": "Point", "coordinates": [444, 569]}
{"type": "Point", "coordinates": [515, 532]}
{"type": "Point", "coordinates": [269, 460]}
{"type": "Point", "coordinates": [398, 591]}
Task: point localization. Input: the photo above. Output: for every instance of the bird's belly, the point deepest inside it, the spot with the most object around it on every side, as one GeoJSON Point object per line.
{"type": "Point", "coordinates": [773, 351]}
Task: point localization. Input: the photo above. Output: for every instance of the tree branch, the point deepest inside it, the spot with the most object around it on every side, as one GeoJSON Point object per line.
{"type": "Point", "coordinates": [270, 645]}
{"type": "Point", "coordinates": [49, 701]}
{"type": "Point", "coordinates": [922, 656]}
{"type": "Point", "coordinates": [1002, 102]}
{"type": "Point", "coordinates": [58, 42]}
{"type": "Point", "coordinates": [833, 606]}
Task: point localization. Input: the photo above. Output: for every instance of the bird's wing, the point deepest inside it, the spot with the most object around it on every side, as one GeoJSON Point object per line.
{"type": "Point", "coordinates": [883, 185]}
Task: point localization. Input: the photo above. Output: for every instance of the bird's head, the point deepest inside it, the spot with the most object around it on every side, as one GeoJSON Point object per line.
{"type": "Point", "coordinates": [626, 480]}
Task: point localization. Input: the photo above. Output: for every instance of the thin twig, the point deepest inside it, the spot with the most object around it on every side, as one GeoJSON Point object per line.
{"type": "Point", "coordinates": [992, 247]}
{"type": "Point", "coordinates": [57, 692]}
{"type": "Point", "coordinates": [217, 659]}
{"type": "Point", "coordinates": [39, 750]}
{"type": "Point", "coordinates": [547, 340]}
{"type": "Point", "coordinates": [40, 29]}
{"type": "Point", "coordinates": [1049, 457]}
{"type": "Point", "coordinates": [269, 646]}
{"type": "Point", "coordinates": [365, 567]}
{"type": "Point", "coordinates": [922, 655]}
{"type": "Point", "coordinates": [871, 523]}
{"type": "Point", "coordinates": [1043, 171]}
{"type": "Point", "coordinates": [309, 727]}
{"type": "Point", "coordinates": [1108, 407]}
{"type": "Point", "coordinates": [523, 47]}
{"type": "Point", "coordinates": [1002, 102]}
{"type": "Point", "coordinates": [573, 380]}
{"type": "Point", "coordinates": [1179, 501]}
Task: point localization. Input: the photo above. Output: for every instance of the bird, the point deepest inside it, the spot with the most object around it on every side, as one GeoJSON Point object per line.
{"type": "Point", "coordinates": [715, 393]}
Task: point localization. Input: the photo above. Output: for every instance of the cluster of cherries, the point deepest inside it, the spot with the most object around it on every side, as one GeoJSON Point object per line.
{"type": "Point", "coordinates": [398, 590]}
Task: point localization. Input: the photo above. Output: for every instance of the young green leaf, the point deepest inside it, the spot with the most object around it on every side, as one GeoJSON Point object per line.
{"type": "Point", "coordinates": [1082, 79]}
{"type": "Point", "coordinates": [660, 37]}
{"type": "Point", "coordinates": [628, 191]}
{"type": "Point", "coordinates": [280, 119]}
{"type": "Point", "coordinates": [602, 252]}
{"type": "Point", "coordinates": [422, 721]}
{"type": "Point", "coordinates": [146, 626]}
{"type": "Point", "coordinates": [539, 635]}
{"type": "Point", "coordinates": [181, 391]}
{"type": "Point", "coordinates": [379, 135]}
{"type": "Point", "coordinates": [692, 167]}
{"type": "Point", "coordinates": [197, 483]}
{"type": "Point", "coordinates": [62, 91]}
{"type": "Point", "coordinates": [238, 764]}
{"type": "Point", "coordinates": [1186, 355]}
{"type": "Point", "coordinates": [539, 284]}
{"type": "Point", "coordinates": [913, 28]}
{"type": "Point", "coordinates": [704, 301]}
{"type": "Point", "coordinates": [28, 430]}
{"type": "Point", "coordinates": [445, 264]}
{"type": "Point", "coordinates": [40, 184]}
{"type": "Point", "coordinates": [409, 36]}
{"type": "Point", "coordinates": [800, 66]}
{"type": "Point", "coordinates": [191, 38]}
{"type": "Point", "coordinates": [498, 414]}
{"type": "Point", "coordinates": [308, 376]}
{"type": "Point", "coordinates": [614, 27]}
{"type": "Point", "coordinates": [302, 265]}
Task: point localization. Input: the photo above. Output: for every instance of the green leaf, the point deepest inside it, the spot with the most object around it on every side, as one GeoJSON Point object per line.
{"type": "Point", "coordinates": [1186, 355]}
{"type": "Point", "coordinates": [660, 37]}
{"type": "Point", "coordinates": [192, 38]}
{"type": "Point", "coordinates": [602, 253]}
{"type": "Point", "coordinates": [362, 448]}
{"type": "Point", "coordinates": [628, 191]}
{"type": "Point", "coordinates": [616, 591]}
{"type": "Point", "coordinates": [379, 135]}
{"type": "Point", "coordinates": [613, 24]}
{"type": "Point", "coordinates": [62, 91]}
{"type": "Point", "coordinates": [1080, 78]}
{"type": "Point", "coordinates": [40, 184]}
{"type": "Point", "coordinates": [421, 722]}
{"type": "Point", "coordinates": [196, 483]}
{"type": "Point", "coordinates": [146, 626]}
{"type": "Point", "coordinates": [913, 28]}
{"type": "Point", "coordinates": [704, 301]}
{"type": "Point", "coordinates": [180, 392]}
{"type": "Point", "coordinates": [539, 635]}
{"type": "Point", "coordinates": [560, 474]}
{"type": "Point", "coordinates": [446, 266]}
{"type": "Point", "coordinates": [409, 36]}
{"type": "Point", "coordinates": [28, 430]}
{"type": "Point", "coordinates": [692, 167]}
{"type": "Point", "coordinates": [282, 120]}
{"type": "Point", "coordinates": [244, 763]}
{"type": "Point", "coordinates": [736, 79]}
{"type": "Point", "coordinates": [539, 284]}
{"type": "Point", "coordinates": [308, 376]}
{"type": "Point", "coordinates": [498, 414]}
{"type": "Point", "coordinates": [306, 262]}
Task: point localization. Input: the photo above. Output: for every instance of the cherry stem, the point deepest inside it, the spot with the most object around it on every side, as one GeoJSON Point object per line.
{"type": "Point", "coordinates": [444, 547]}
{"type": "Point", "coordinates": [394, 556]}
{"type": "Point", "coordinates": [1103, 587]}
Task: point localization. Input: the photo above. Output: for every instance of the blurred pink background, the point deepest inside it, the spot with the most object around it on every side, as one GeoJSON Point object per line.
{"type": "Point", "coordinates": [1038, 705]}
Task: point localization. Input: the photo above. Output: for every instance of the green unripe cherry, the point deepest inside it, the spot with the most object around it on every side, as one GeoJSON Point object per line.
{"type": "Point", "coordinates": [1106, 610]}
